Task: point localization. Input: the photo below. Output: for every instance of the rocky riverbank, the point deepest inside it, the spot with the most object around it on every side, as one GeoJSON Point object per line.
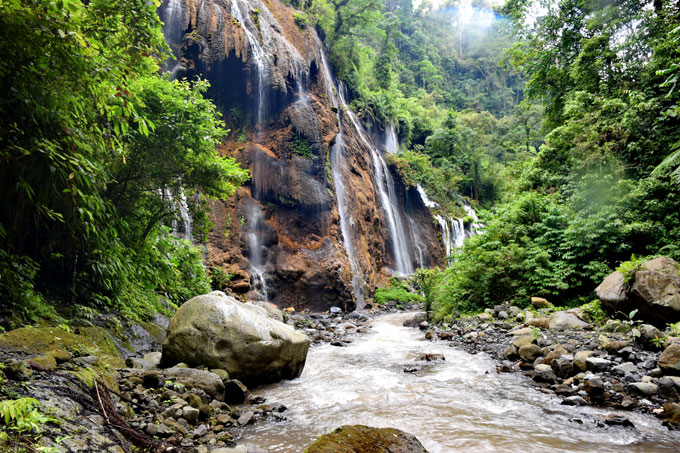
{"type": "Point", "coordinates": [621, 364]}
{"type": "Point", "coordinates": [100, 397]}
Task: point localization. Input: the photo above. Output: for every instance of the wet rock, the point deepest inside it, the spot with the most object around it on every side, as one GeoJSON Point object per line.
{"type": "Point", "coordinates": [194, 400]}
{"type": "Point", "coordinates": [415, 320]}
{"type": "Point", "coordinates": [669, 360]}
{"type": "Point", "coordinates": [656, 291]}
{"type": "Point", "coordinates": [618, 420]}
{"type": "Point", "coordinates": [190, 414]}
{"type": "Point", "coordinates": [523, 341]}
{"type": "Point", "coordinates": [235, 392]}
{"type": "Point", "coordinates": [359, 316]}
{"type": "Point", "coordinates": [521, 332]}
{"type": "Point", "coordinates": [671, 413]}
{"type": "Point", "coordinates": [510, 353]}
{"type": "Point", "coordinates": [651, 337]}
{"type": "Point", "coordinates": [358, 438]}
{"type": "Point", "coordinates": [597, 364]}
{"type": "Point", "coordinates": [206, 411]}
{"type": "Point", "coordinates": [153, 379]}
{"type": "Point", "coordinates": [193, 378]}
{"type": "Point", "coordinates": [569, 319]}
{"type": "Point", "coordinates": [612, 292]}
{"type": "Point", "coordinates": [543, 373]}
{"type": "Point", "coordinates": [17, 371]}
{"type": "Point", "coordinates": [580, 359]}
{"type": "Point", "coordinates": [432, 357]}
{"type": "Point", "coordinates": [246, 418]}
{"type": "Point", "coordinates": [271, 309]}
{"type": "Point", "coordinates": [644, 388]}
{"type": "Point", "coordinates": [669, 388]}
{"type": "Point", "coordinates": [530, 352]}
{"type": "Point", "coordinates": [136, 362]}
{"type": "Point", "coordinates": [627, 367]}
{"type": "Point", "coordinates": [563, 366]}
{"type": "Point", "coordinates": [423, 325]}
{"type": "Point", "coordinates": [555, 353]}
{"type": "Point", "coordinates": [574, 401]}
{"type": "Point", "coordinates": [594, 386]}
{"type": "Point", "coordinates": [539, 302]}
{"type": "Point", "coordinates": [43, 363]}
{"type": "Point", "coordinates": [200, 431]}
{"type": "Point", "coordinates": [217, 331]}
{"type": "Point", "coordinates": [221, 373]}
{"type": "Point", "coordinates": [612, 346]}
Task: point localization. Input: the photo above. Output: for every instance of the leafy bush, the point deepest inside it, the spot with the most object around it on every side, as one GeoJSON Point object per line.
{"type": "Point", "coordinates": [557, 245]}
{"type": "Point", "coordinates": [397, 291]}
{"type": "Point", "coordinates": [219, 278]}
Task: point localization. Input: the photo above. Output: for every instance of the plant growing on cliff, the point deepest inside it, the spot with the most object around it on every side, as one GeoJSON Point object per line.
{"type": "Point", "coordinates": [24, 415]}
{"type": "Point", "coordinates": [396, 291]}
{"type": "Point", "coordinates": [301, 147]}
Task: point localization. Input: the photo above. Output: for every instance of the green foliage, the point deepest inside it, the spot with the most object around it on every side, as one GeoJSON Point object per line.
{"type": "Point", "coordinates": [629, 268]}
{"type": "Point", "coordinates": [557, 245]}
{"type": "Point", "coordinates": [95, 143]}
{"type": "Point", "coordinates": [301, 147]}
{"type": "Point", "coordinates": [23, 415]}
{"type": "Point", "coordinates": [395, 291]}
{"type": "Point", "coordinates": [594, 312]}
{"type": "Point", "coordinates": [301, 20]}
{"type": "Point", "coordinates": [219, 278]}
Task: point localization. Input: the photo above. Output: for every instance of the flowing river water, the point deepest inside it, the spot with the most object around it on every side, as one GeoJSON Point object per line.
{"type": "Point", "coordinates": [460, 404]}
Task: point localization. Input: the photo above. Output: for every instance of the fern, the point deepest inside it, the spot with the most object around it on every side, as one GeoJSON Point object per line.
{"type": "Point", "coordinates": [23, 415]}
{"type": "Point", "coordinates": [670, 163]}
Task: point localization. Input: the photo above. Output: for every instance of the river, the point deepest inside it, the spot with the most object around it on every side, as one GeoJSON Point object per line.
{"type": "Point", "coordinates": [460, 404]}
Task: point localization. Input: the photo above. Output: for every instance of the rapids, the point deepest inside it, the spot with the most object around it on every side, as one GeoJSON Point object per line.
{"type": "Point", "coordinates": [460, 404]}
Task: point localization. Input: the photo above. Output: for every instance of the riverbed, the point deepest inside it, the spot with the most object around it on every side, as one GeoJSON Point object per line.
{"type": "Point", "coordinates": [459, 404]}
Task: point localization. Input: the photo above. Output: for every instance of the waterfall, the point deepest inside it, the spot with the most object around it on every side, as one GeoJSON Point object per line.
{"type": "Point", "coordinates": [337, 157]}
{"type": "Point", "coordinates": [426, 200]}
{"type": "Point", "coordinates": [254, 228]}
{"type": "Point", "coordinates": [391, 140]}
{"type": "Point", "coordinates": [257, 55]}
{"type": "Point", "coordinates": [182, 227]}
{"type": "Point", "coordinates": [446, 235]}
{"type": "Point", "coordinates": [383, 179]}
{"type": "Point", "coordinates": [391, 145]}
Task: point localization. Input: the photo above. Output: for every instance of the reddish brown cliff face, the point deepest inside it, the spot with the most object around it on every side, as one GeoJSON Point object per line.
{"type": "Point", "coordinates": [281, 234]}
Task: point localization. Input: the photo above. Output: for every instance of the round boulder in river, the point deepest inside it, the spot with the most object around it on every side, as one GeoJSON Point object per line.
{"type": "Point", "coordinates": [364, 439]}
{"type": "Point", "coordinates": [217, 331]}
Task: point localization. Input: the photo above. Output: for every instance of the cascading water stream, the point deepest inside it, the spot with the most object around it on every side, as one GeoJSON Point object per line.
{"type": "Point", "coordinates": [337, 157]}
{"type": "Point", "coordinates": [457, 405]}
{"type": "Point", "coordinates": [383, 179]}
{"type": "Point", "coordinates": [391, 145]}
{"type": "Point", "coordinates": [254, 228]}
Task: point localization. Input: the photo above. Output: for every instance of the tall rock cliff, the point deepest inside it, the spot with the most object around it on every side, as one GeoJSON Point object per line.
{"type": "Point", "coordinates": [322, 220]}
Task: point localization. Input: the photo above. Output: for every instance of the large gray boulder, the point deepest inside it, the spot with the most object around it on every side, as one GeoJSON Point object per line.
{"type": "Point", "coordinates": [654, 291]}
{"type": "Point", "coordinates": [569, 319]}
{"type": "Point", "coordinates": [217, 331]}
{"type": "Point", "coordinates": [612, 292]}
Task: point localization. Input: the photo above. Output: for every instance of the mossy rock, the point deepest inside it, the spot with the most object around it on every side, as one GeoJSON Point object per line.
{"type": "Point", "coordinates": [41, 340]}
{"type": "Point", "coordinates": [55, 343]}
{"type": "Point", "coordinates": [364, 439]}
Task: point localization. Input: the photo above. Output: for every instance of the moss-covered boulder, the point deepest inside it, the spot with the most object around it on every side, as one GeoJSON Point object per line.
{"type": "Point", "coordinates": [364, 439]}
{"type": "Point", "coordinates": [217, 331]}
